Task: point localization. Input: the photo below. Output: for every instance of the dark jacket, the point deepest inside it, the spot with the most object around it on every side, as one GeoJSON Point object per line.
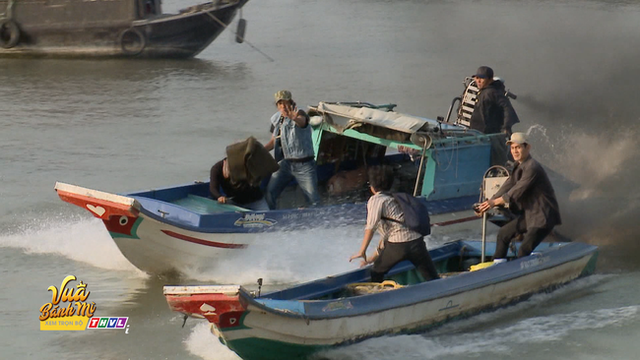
{"type": "Point", "coordinates": [530, 190]}
{"type": "Point", "coordinates": [493, 112]}
{"type": "Point", "coordinates": [241, 193]}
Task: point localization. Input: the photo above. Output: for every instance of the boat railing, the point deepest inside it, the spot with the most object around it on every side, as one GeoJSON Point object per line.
{"type": "Point", "coordinates": [448, 118]}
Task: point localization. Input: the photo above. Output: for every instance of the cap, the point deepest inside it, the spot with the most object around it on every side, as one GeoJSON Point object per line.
{"type": "Point", "coordinates": [518, 138]}
{"type": "Point", "coordinates": [484, 72]}
{"type": "Point", "coordinates": [283, 95]}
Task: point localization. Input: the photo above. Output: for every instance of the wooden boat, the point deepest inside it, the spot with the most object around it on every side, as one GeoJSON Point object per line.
{"type": "Point", "coordinates": [182, 227]}
{"type": "Point", "coordinates": [301, 320]}
{"type": "Point", "coordinates": [113, 28]}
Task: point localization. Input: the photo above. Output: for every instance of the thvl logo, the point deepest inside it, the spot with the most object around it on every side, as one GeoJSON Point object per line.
{"type": "Point", "coordinates": [69, 310]}
{"type": "Point", "coordinates": [108, 323]}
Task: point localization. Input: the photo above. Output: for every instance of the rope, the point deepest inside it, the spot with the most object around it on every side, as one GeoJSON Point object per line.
{"type": "Point", "coordinates": [371, 287]}
{"type": "Point", "coordinates": [454, 152]}
{"type": "Point", "coordinates": [8, 13]}
{"type": "Point", "coordinates": [243, 39]}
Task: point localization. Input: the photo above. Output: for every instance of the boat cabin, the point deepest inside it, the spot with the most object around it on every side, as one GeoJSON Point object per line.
{"type": "Point", "coordinates": [77, 13]}
{"type": "Point", "coordinates": [432, 159]}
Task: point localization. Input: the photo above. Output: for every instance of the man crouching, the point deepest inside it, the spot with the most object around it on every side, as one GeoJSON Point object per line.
{"type": "Point", "coordinates": [397, 241]}
{"type": "Point", "coordinates": [529, 190]}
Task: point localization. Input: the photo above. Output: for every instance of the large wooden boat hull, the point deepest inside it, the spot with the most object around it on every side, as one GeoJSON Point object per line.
{"type": "Point", "coordinates": [181, 35]}
{"type": "Point", "coordinates": [299, 321]}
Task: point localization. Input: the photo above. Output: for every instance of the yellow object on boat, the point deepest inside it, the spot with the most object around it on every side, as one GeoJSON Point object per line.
{"type": "Point", "coordinates": [373, 287]}
{"type": "Point", "coordinates": [481, 266]}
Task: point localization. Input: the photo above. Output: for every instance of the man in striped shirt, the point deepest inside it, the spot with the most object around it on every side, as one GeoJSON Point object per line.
{"type": "Point", "coordinates": [397, 241]}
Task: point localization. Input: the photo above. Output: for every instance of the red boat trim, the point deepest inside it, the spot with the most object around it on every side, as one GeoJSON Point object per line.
{"type": "Point", "coordinates": [457, 221]}
{"type": "Point", "coordinates": [204, 242]}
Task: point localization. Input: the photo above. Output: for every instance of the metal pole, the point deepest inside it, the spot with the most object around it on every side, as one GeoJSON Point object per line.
{"type": "Point", "coordinates": [424, 151]}
{"type": "Point", "coordinates": [484, 235]}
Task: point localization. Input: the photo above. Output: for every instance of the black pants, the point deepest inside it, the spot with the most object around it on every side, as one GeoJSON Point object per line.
{"type": "Point", "coordinates": [532, 237]}
{"type": "Point", "coordinates": [393, 253]}
{"type": "Point", "coordinates": [500, 152]}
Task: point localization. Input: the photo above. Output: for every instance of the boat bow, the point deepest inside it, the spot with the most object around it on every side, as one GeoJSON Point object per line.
{"type": "Point", "coordinates": [101, 204]}
{"type": "Point", "coordinates": [219, 304]}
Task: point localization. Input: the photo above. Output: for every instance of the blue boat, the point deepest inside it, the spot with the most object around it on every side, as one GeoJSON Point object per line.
{"type": "Point", "coordinates": [338, 310]}
{"type": "Point", "coordinates": [179, 227]}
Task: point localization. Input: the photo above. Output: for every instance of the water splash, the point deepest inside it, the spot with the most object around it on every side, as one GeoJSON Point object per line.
{"type": "Point", "coordinates": [201, 342]}
{"type": "Point", "coordinates": [601, 202]}
{"type": "Point", "coordinates": [78, 239]}
{"type": "Point", "coordinates": [288, 257]}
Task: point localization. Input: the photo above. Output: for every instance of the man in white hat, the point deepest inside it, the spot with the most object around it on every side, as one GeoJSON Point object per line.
{"type": "Point", "coordinates": [528, 192]}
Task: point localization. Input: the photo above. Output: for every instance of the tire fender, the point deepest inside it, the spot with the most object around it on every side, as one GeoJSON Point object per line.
{"type": "Point", "coordinates": [132, 42]}
{"type": "Point", "coordinates": [9, 33]}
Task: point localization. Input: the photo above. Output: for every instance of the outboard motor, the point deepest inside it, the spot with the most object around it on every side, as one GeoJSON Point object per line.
{"type": "Point", "coordinates": [492, 180]}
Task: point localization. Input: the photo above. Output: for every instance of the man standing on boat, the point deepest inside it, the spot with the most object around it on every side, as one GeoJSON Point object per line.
{"type": "Point", "coordinates": [493, 113]}
{"type": "Point", "coordinates": [291, 139]}
{"type": "Point", "coordinates": [528, 190]}
{"type": "Point", "coordinates": [397, 242]}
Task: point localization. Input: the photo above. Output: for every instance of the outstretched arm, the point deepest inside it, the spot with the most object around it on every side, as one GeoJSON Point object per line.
{"type": "Point", "coordinates": [485, 206]}
{"type": "Point", "coordinates": [297, 116]}
{"type": "Point", "coordinates": [368, 235]}
{"type": "Point", "coordinates": [214, 180]}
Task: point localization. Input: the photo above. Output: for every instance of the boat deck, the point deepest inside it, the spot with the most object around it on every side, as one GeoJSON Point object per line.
{"type": "Point", "coordinates": [203, 205]}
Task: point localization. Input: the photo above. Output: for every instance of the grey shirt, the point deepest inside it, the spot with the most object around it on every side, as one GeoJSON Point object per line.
{"type": "Point", "coordinates": [530, 190]}
{"type": "Point", "coordinates": [381, 206]}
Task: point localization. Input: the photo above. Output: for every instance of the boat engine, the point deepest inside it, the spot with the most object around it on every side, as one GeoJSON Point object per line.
{"type": "Point", "coordinates": [492, 180]}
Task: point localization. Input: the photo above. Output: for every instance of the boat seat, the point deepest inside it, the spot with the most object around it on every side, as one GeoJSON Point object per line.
{"type": "Point", "coordinates": [204, 205]}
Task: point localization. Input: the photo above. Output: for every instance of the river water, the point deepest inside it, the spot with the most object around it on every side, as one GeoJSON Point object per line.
{"type": "Point", "coordinates": [118, 126]}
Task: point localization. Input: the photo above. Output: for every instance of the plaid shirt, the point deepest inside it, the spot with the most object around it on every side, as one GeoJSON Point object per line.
{"type": "Point", "coordinates": [383, 205]}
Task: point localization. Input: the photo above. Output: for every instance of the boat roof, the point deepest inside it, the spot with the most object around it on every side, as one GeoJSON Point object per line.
{"type": "Point", "coordinates": [370, 122]}
{"type": "Point", "coordinates": [347, 117]}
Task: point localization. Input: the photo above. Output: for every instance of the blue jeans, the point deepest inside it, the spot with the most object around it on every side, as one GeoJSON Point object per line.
{"type": "Point", "coordinates": [305, 174]}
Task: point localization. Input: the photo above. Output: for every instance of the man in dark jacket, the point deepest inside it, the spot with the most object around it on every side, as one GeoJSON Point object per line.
{"type": "Point", "coordinates": [529, 190]}
{"type": "Point", "coordinates": [493, 112]}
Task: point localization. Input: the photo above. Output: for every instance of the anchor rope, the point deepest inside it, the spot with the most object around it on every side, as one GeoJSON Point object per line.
{"type": "Point", "coordinates": [8, 13]}
{"type": "Point", "coordinates": [243, 39]}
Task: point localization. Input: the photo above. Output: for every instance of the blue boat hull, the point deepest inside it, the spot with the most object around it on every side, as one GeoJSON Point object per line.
{"type": "Point", "coordinates": [307, 318]}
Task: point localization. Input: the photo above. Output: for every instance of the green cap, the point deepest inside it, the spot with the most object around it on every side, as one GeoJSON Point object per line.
{"type": "Point", "coordinates": [283, 95]}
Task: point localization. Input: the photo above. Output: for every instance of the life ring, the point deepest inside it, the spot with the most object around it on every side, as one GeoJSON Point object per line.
{"type": "Point", "coordinates": [9, 33]}
{"type": "Point", "coordinates": [132, 42]}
